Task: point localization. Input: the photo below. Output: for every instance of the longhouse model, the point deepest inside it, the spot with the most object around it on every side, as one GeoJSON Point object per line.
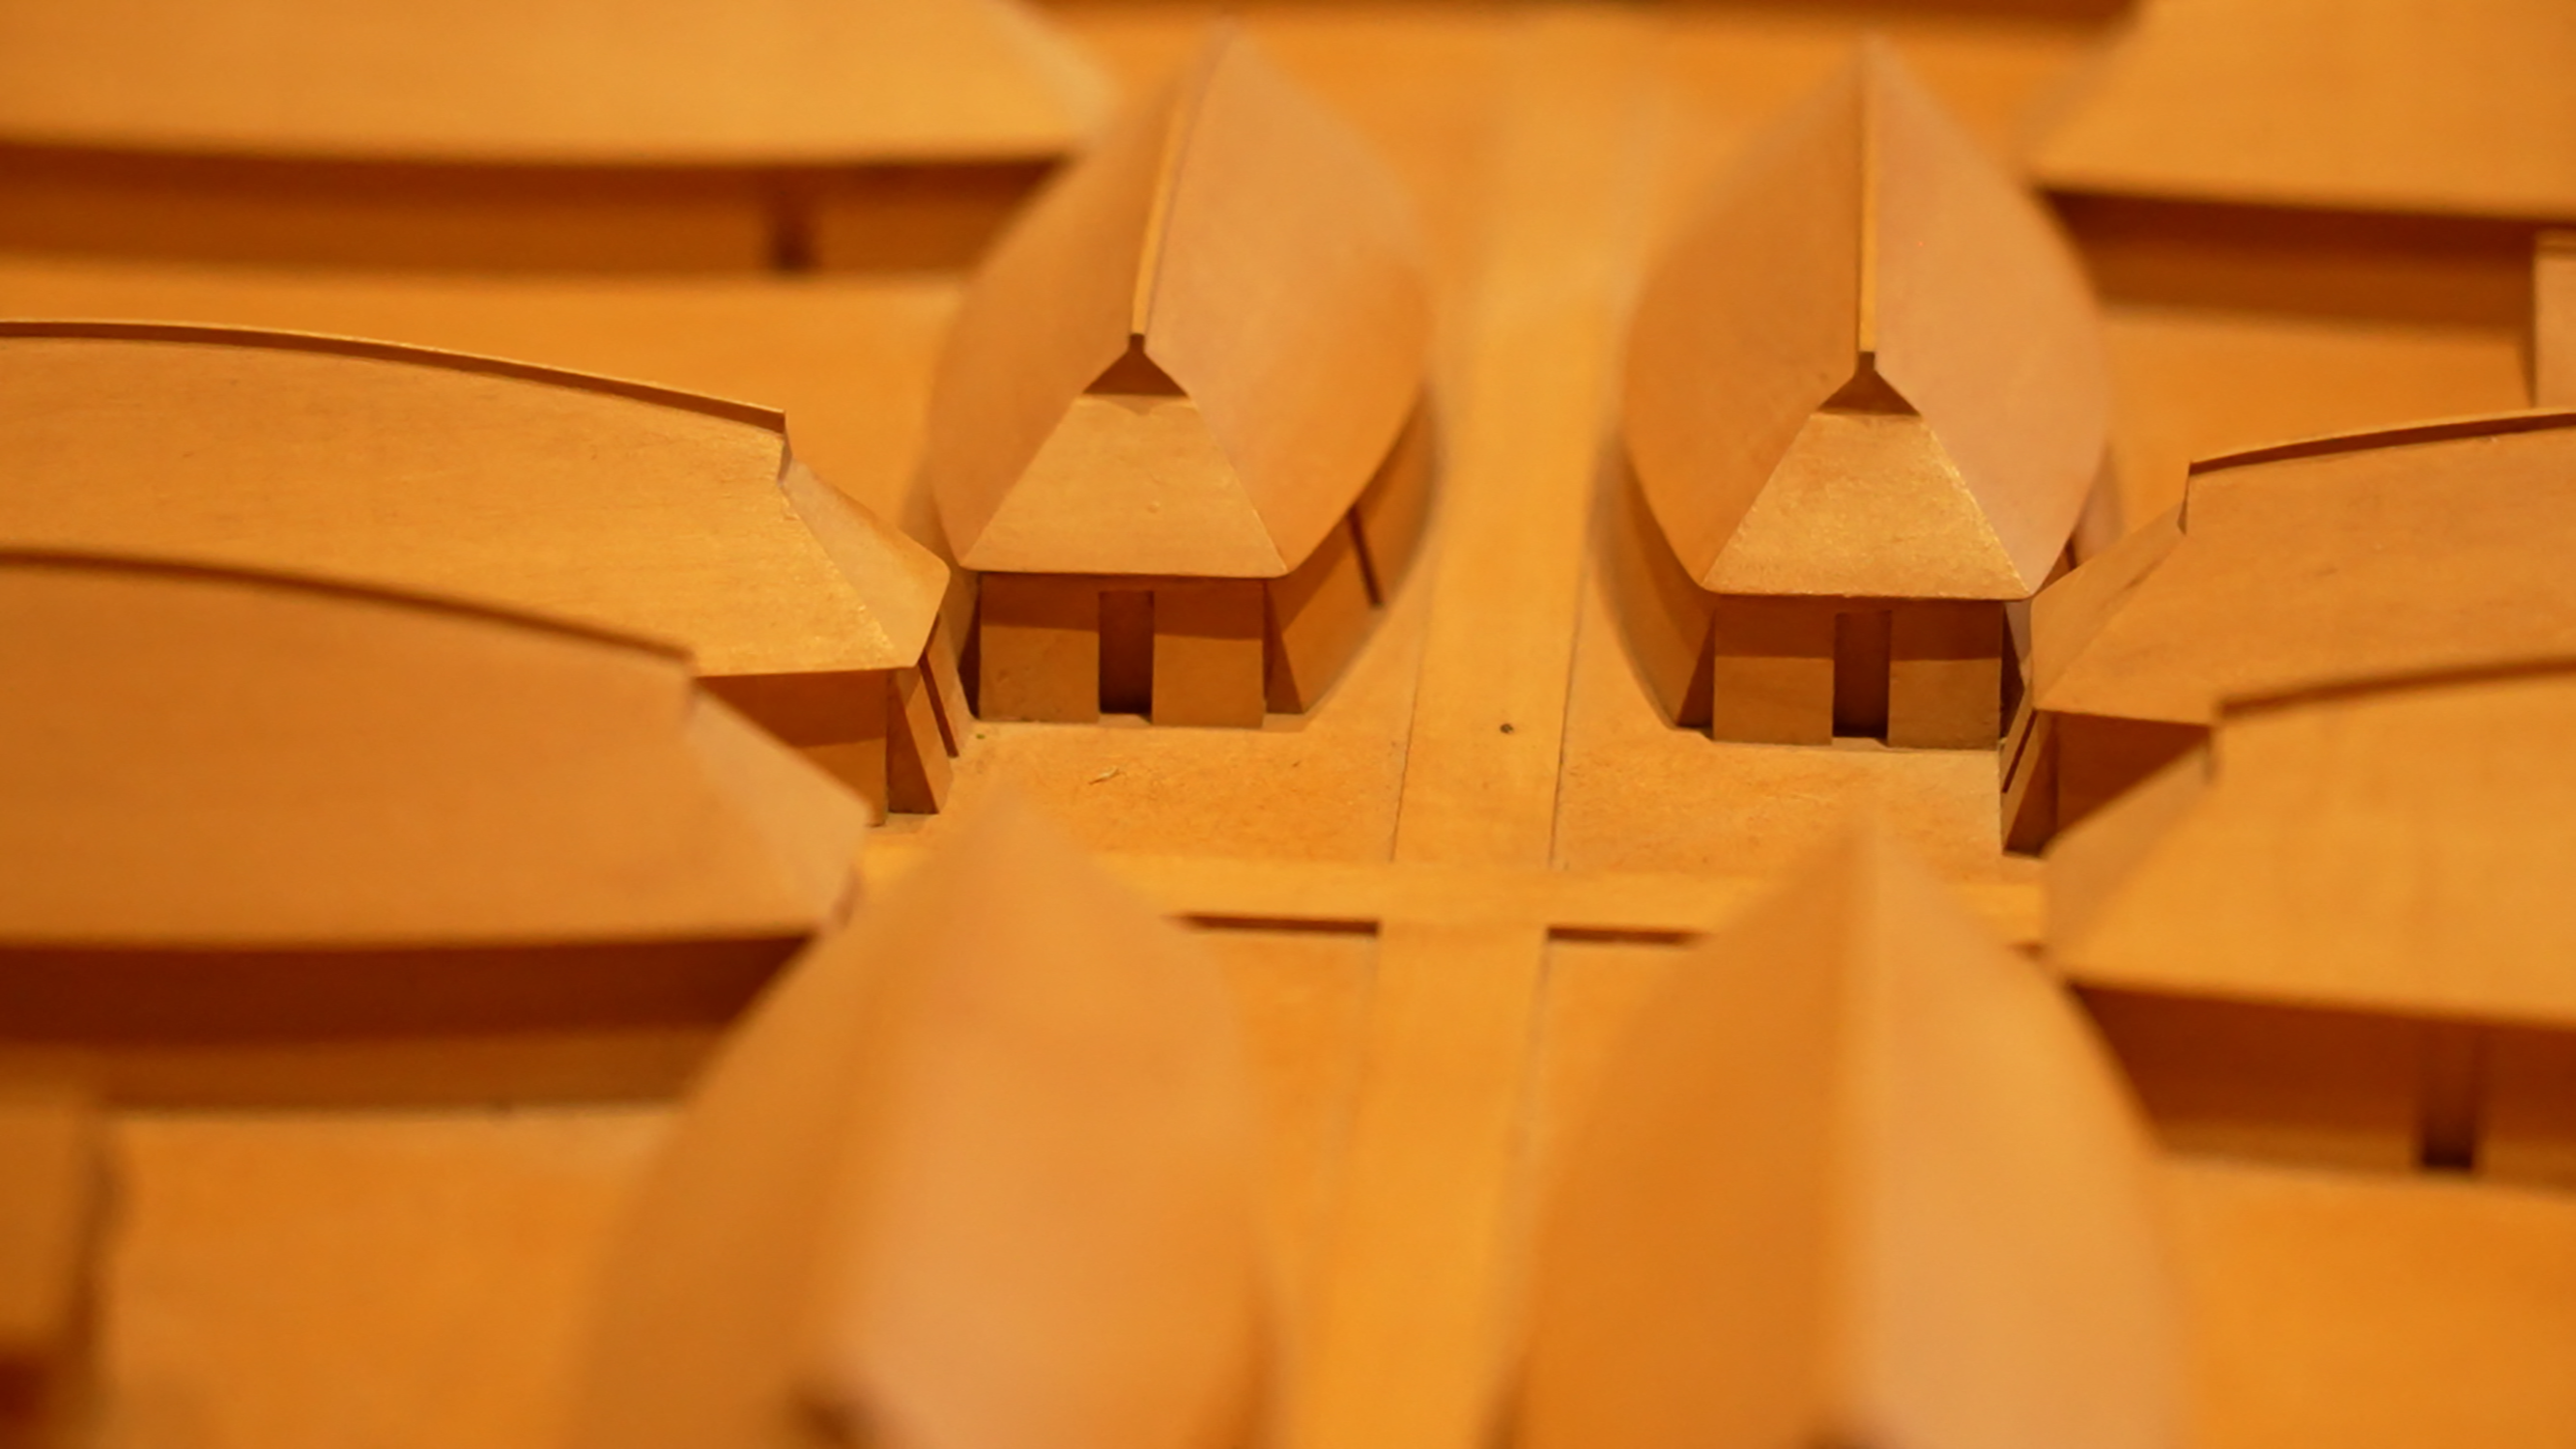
{"type": "Point", "coordinates": [349, 812]}
{"type": "Point", "coordinates": [2341, 926]}
{"type": "Point", "coordinates": [1859, 1176]}
{"type": "Point", "coordinates": [636, 509]}
{"type": "Point", "coordinates": [970, 1177]}
{"type": "Point", "coordinates": [1179, 428]}
{"type": "Point", "coordinates": [1866, 402]}
{"type": "Point", "coordinates": [2404, 551]}
{"type": "Point", "coordinates": [532, 133]}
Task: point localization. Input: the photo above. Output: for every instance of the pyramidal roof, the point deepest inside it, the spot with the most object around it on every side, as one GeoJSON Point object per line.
{"type": "Point", "coordinates": [595, 82]}
{"type": "Point", "coordinates": [968, 1176]}
{"type": "Point", "coordinates": [1869, 365]}
{"type": "Point", "coordinates": [2430, 547]}
{"type": "Point", "coordinates": [2396, 845]}
{"type": "Point", "coordinates": [1862, 1176]}
{"type": "Point", "coordinates": [2396, 105]}
{"type": "Point", "coordinates": [613, 504]}
{"type": "Point", "coordinates": [1191, 354]}
{"type": "Point", "coordinates": [206, 760]}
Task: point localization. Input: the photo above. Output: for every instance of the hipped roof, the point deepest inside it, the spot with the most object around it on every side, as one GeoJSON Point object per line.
{"type": "Point", "coordinates": [2430, 547]}
{"type": "Point", "coordinates": [1252, 247]}
{"type": "Point", "coordinates": [978, 1170]}
{"type": "Point", "coordinates": [195, 759]}
{"type": "Point", "coordinates": [1857, 1165]}
{"type": "Point", "coordinates": [592, 82]}
{"type": "Point", "coordinates": [623, 506]}
{"type": "Point", "coordinates": [2398, 845]}
{"type": "Point", "coordinates": [2443, 106]}
{"type": "Point", "coordinates": [1870, 365]}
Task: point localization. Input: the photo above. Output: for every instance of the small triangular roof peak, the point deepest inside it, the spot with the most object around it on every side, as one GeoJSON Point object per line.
{"type": "Point", "coordinates": [619, 505]}
{"type": "Point", "coordinates": [209, 760]}
{"type": "Point", "coordinates": [1865, 258]}
{"type": "Point", "coordinates": [2434, 546]}
{"type": "Point", "coordinates": [2395, 105]}
{"type": "Point", "coordinates": [2397, 845]}
{"type": "Point", "coordinates": [1238, 239]}
{"type": "Point", "coordinates": [967, 1176]}
{"type": "Point", "coordinates": [586, 82]}
{"type": "Point", "coordinates": [1859, 1175]}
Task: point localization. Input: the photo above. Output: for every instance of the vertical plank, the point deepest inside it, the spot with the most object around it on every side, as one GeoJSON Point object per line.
{"type": "Point", "coordinates": [2553, 321]}
{"type": "Point", "coordinates": [1408, 1344]}
{"type": "Point", "coordinates": [1945, 678]}
{"type": "Point", "coordinates": [1319, 615]}
{"type": "Point", "coordinates": [1038, 642]}
{"type": "Point", "coordinates": [52, 1172]}
{"type": "Point", "coordinates": [916, 751]}
{"type": "Point", "coordinates": [1208, 636]}
{"type": "Point", "coordinates": [1771, 675]}
{"type": "Point", "coordinates": [1569, 216]}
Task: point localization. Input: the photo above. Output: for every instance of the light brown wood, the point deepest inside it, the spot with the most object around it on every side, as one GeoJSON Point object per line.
{"type": "Point", "coordinates": [2553, 320]}
{"type": "Point", "coordinates": [1860, 1176]}
{"type": "Point", "coordinates": [1038, 640]}
{"type": "Point", "coordinates": [1915, 393]}
{"type": "Point", "coordinates": [2398, 105]}
{"type": "Point", "coordinates": [981, 1176]}
{"type": "Point", "coordinates": [1319, 617]}
{"type": "Point", "coordinates": [1945, 683]}
{"type": "Point", "coordinates": [54, 1205]}
{"type": "Point", "coordinates": [2389, 847]}
{"type": "Point", "coordinates": [1209, 643]}
{"type": "Point", "coordinates": [1238, 240]}
{"type": "Point", "coordinates": [334, 791]}
{"type": "Point", "coordinates": [1772, 676]}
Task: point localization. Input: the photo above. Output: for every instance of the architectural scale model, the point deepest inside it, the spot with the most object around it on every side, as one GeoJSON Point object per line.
{"type": "Point", "coordinates": [2392, 851]}
{"type": "Point", "coordinates": [2407, 551]}
{"type": "Point", "coordinates": [1179, 430]}
{"type": "Point", "coordinates": [1581, 726]}
{"type": "Point", "coordinates": [533, 133]}
{"type": "Point", "coordinates": [678, 518]}
{"type": "Point", "coordinates": [966, 1177]}
{"type": "Point", "coordinates": [1866, 401]}
{"type": "Point", "coordinates": [350, 812]}
{"type": "Point", "coordinates": [1862, 1177]}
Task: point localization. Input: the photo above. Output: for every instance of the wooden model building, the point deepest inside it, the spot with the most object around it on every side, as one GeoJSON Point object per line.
{"type": "Point", "coordinates": [343, 811]}
{"type": "Point", "coordinates": [2401, 551]}
{"type": "Point", "coordinates": [1861, 1176]}
{"type": "Point", "coordinates": [2374, 875]}
{"type": "Point", "coordinates": [630, 508]}
{"type": "Point", "coordinates": [1866, 403]}
{"type": "Point", "coordinates": [559, 133]}
{"type": "Point", "coordinates": [968, 1177]}
{"type": "Point", "coordinates": [1178, 430]}
{"type": "Point", "coordinates": [2392, 106]}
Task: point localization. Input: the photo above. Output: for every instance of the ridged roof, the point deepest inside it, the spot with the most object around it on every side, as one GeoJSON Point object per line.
{"type": "Point", "coordinates": [1869, 365]}
{"type": "Point", "coordinates": [617, 505]}
{"type": "Point", "coordinates": [1256, 269]}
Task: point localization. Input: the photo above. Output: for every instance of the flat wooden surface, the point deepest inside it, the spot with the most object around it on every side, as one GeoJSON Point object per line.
{"type": "Point", "coordinates": [1439, 895]}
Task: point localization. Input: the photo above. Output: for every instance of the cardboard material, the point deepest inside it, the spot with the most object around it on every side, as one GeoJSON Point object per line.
{"type": "Point", "coordinates": [2391, 106]}
{"type": "Point", "coordinates": [969, 1176]}
{"type": "Point", "coordinates": [2411, 550]}
{"type": "Point", "coordinates": [54, 1204]}
{"type": "Point", "coordinates": [1859, 1176]}
{"type": "Point", "coordinates": [611, 504]}
{"type": "Point", "coordinates": [566, 133]}
{"type": "Point", "coordinates": [245, 808]}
